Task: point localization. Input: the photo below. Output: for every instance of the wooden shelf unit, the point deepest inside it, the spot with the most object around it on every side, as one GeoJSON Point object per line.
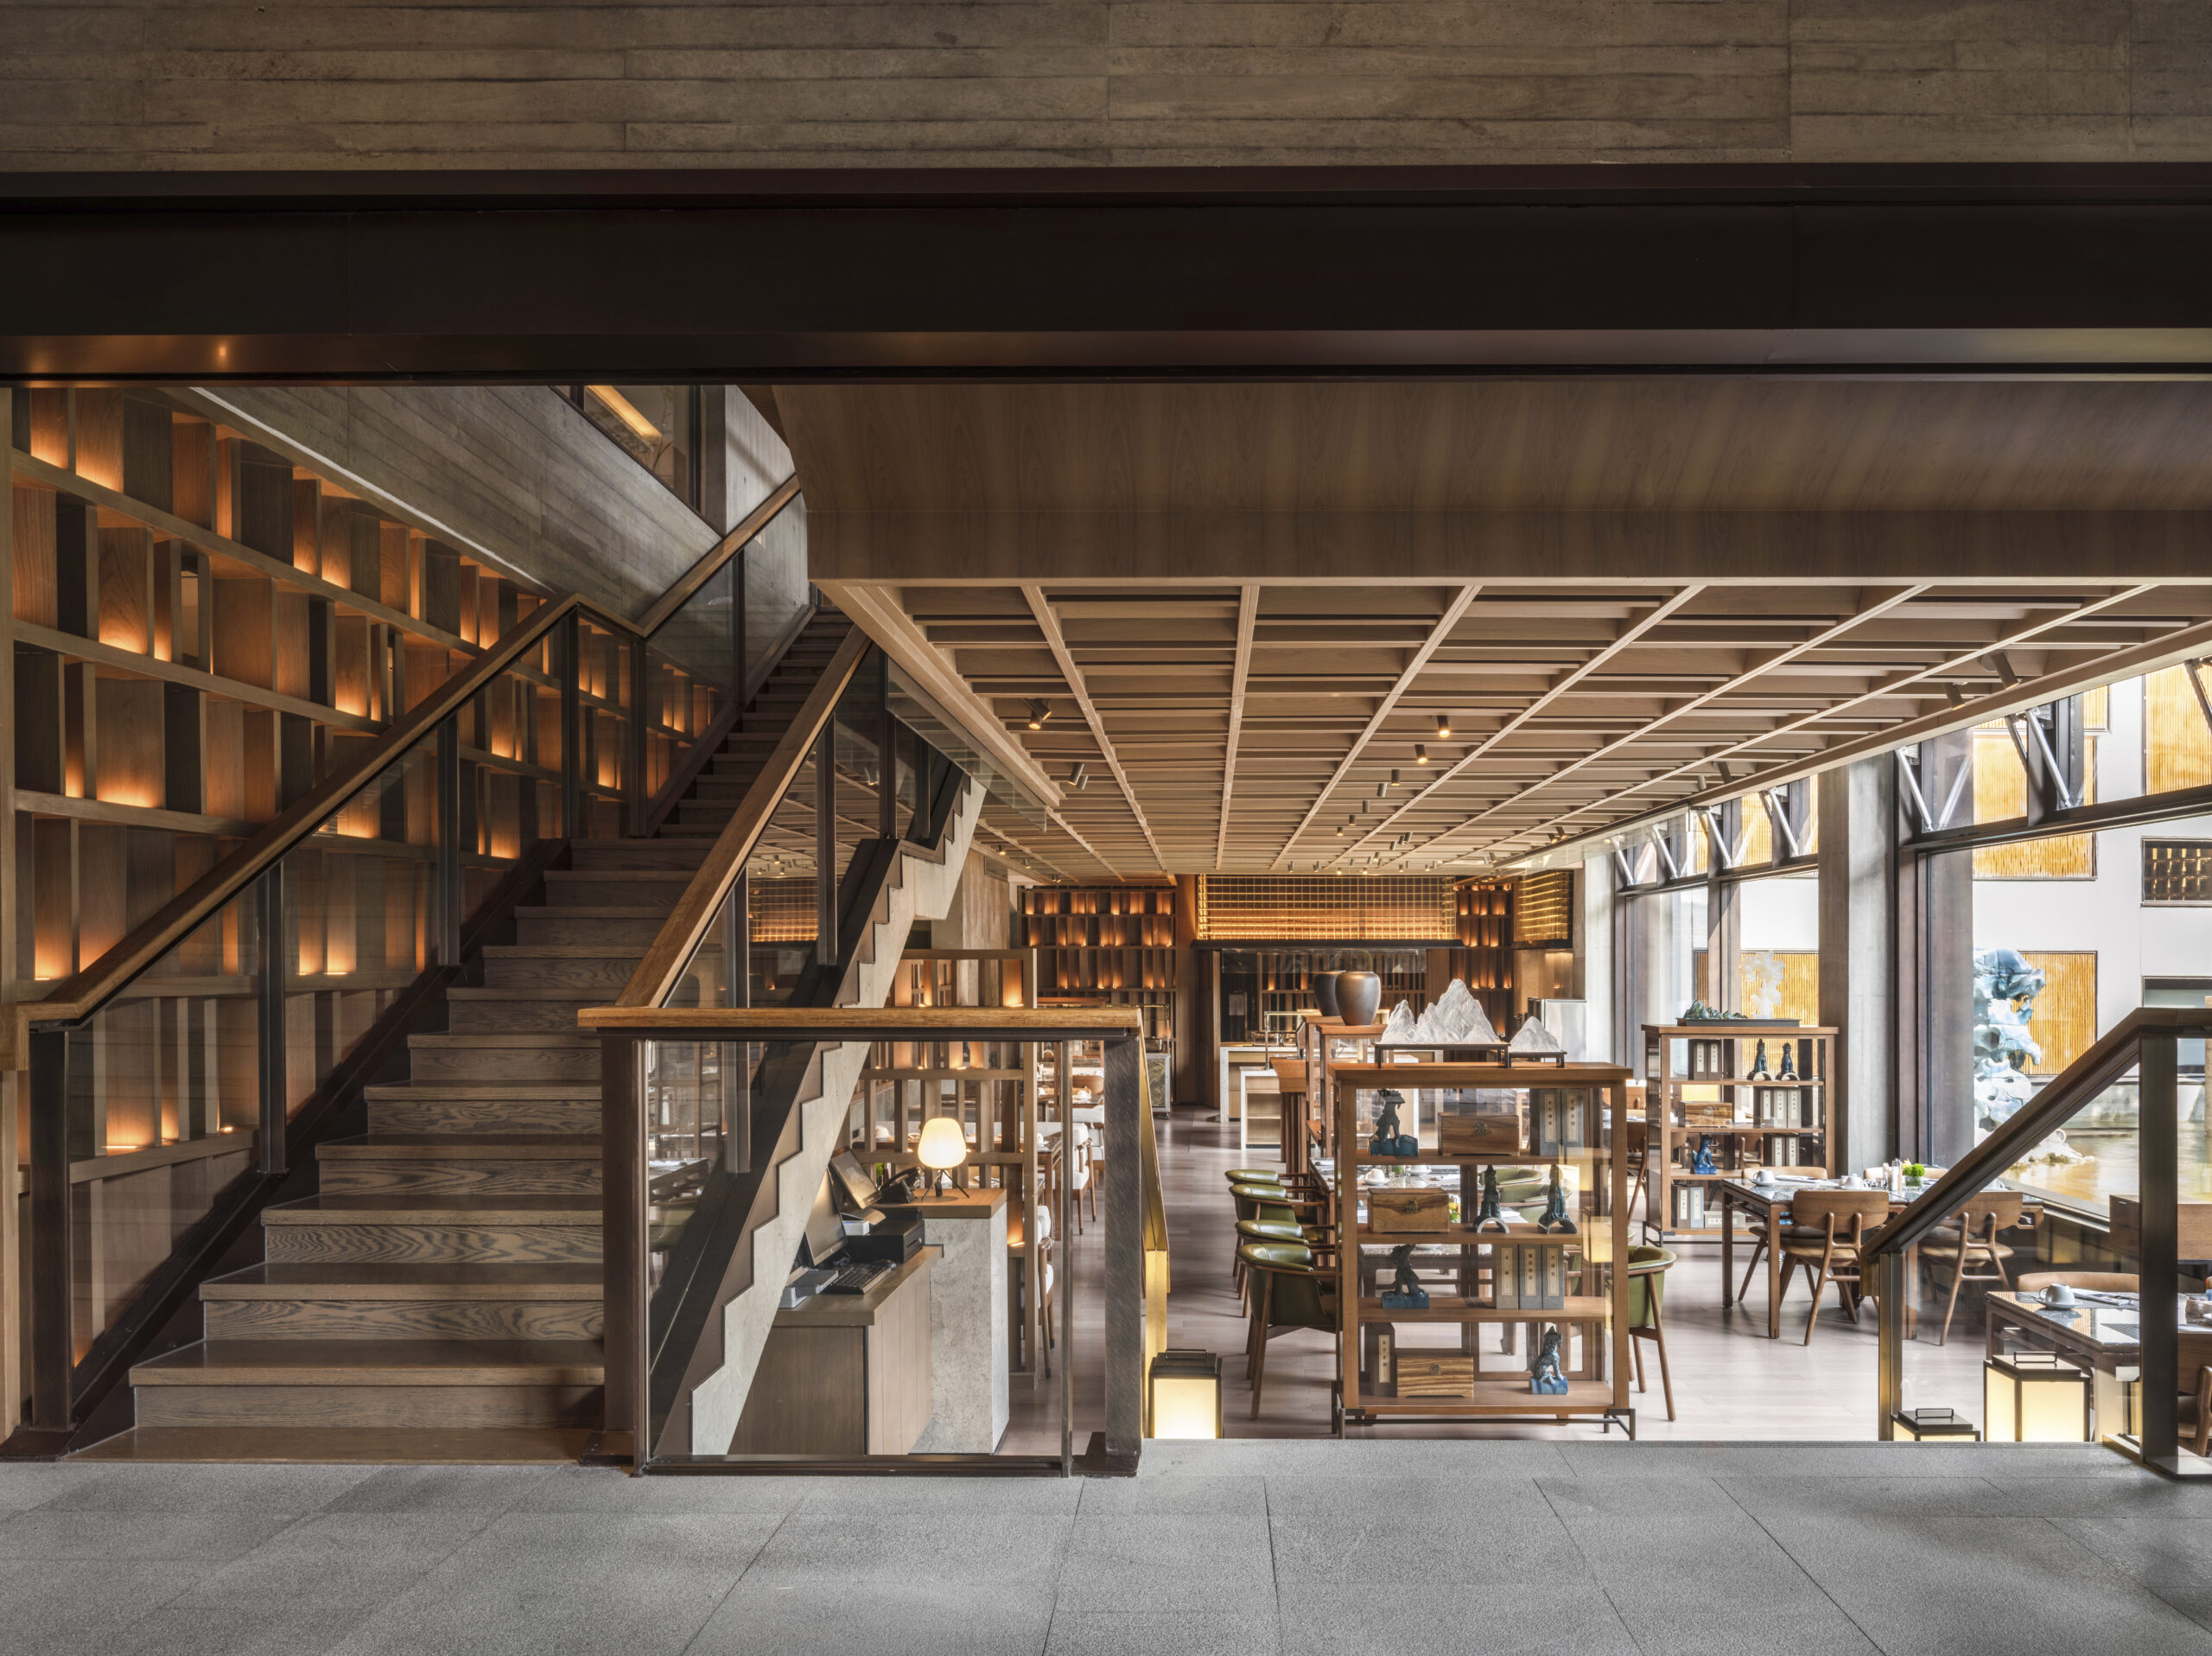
{"type": "Point", "coordinates": [1701, 1089]}
{"type": "Point", "coordinates": [1596, 1366]}
{"type": "Point", "coordinates": [1113, 946]}
{"type": "Point", "coordinates": [1485, 957]}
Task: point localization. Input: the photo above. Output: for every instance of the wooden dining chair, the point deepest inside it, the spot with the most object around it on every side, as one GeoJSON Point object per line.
{"type": "Point", "coordinates": [1827, 1230]}
{"type": "Point", "coordinates": [1647, 1284]}
{"type": "Point", "coordinates": [1289, 1290]}
{"type": "Point", "coordinates": [1971, 1243]}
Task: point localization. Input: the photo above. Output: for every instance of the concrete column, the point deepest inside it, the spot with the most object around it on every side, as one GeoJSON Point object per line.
{"type": "Point", "coordinates": [1859, 958]}
{"type": "Point", "coordinates": [1595, 963]}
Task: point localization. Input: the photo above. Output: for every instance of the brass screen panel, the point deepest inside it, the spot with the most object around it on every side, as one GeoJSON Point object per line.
{"type": "Point", "coordinates": [1291, 909]}
{"type": "Point", "coordinates": [2065, 1021]}
{"type": "Point", "coordinates": [2177, 871]}
{"type": "Point", "coordinates": [2000, 794]}
{"type": "Point", "coordinates": [783, 911]}
{"type": "Point", "coordinates": [2176, 750]}
{"type": "Point", "coordinates": [1543, 908]}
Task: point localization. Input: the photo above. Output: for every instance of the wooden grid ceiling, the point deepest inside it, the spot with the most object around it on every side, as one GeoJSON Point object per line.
{"type": "Point", "coordinates": [1251, 660]}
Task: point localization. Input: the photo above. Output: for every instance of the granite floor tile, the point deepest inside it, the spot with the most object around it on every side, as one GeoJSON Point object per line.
{"type": "Point", "coordinates": [1500, 1545]}
{"type": "Point", "coordinates": [1229, 1495]}
{"type": "Point", "coordinates": [596, 1489]}
{"type": "Point", "coordinates": [65, 1606]}
{"type": "Point", "coordinates": [869, 1550]}
{"type": "Point", "coordinates": [209, 1542]}
{"type": "Point", "coordinates": [337, 1560]}
{"type": "Point", "coordinates": [212, 1488]}
{"type": "Point", "coordinates": [445, 1488]}
{"type": "Point", "coordinates": [234, 1629]}
{"type": "Point", "coordinates": [2161, 1552]}
{"type": "Point", "coordinates": [1450, 1613]}
{"type": "Point", "coordinates": [921, 1617]}
{"type": "Point", "coordinates": [1145, 1633]}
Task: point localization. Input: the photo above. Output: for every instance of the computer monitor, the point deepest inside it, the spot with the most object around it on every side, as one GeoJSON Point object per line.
{"type": "Point", "coordinates": [825, 1231]}
{"type": "Point", "coordinates": [855, 1190]}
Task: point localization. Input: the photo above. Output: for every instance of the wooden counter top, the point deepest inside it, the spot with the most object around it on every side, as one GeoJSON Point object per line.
{"type": "Point", "coordinates": [954, 1204]}
{"type": "Point", "coordinates": [857, 1311]}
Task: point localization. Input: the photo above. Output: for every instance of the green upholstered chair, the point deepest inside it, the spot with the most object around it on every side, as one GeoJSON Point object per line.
{"type": "Point", "coordinates": [1647, 1288]}
{"type": "Point", "coordinates": [1252, 1176]}
{"type": "Point", "coordinates": [1288, 1291]}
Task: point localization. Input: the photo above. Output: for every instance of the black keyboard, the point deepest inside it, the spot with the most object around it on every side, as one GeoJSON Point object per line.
{"type": "Point", "coordinates": [856, 1279]}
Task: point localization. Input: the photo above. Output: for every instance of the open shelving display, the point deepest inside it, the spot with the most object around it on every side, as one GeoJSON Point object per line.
{"type": "Point", "coordinates": [1524, 1281]}
{"type": "Point", "coordinates": [1111, 945]}
{"type": "Point", "coordinates": [1698, 1085]}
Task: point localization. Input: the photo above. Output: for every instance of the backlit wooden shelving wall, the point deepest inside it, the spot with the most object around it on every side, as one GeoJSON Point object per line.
{"type": "Point", "coordinates": [1115, 945]}
{"type": "Point", "coordinates": [1485, 957]}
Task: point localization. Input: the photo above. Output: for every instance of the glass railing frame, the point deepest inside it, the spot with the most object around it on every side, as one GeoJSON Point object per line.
{"type": "Point", "coordinates": [2146, 1041]}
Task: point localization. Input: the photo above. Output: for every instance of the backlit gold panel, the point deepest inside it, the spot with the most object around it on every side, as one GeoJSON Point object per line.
{"type": "Point", "coordinates": [1299, 908]}
{"type": "Point", "coordinates": [1543, 908]}
{"type": "Point", "coordinates": [2065, 1022]}
{"type": "Point", "coordinates": [2176, 750]}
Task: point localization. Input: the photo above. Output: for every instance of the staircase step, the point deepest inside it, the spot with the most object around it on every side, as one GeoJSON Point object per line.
{"type": "Point", "coordinates": [490, 1165]}
{"type": "Point", "coordinates": [463, 1107]}
{"type": "Point", "coordinates": [420, 1301]}
{"type": "Point", "coordinates": [612, 929]}
{"type": "Point", "coordinates": [434, 1229]}
{"type": "Point", "coordinates": [516, 1009]}
{"type": "Point", "coordinates": [344, 1446]}
{"type": "Point", "coordinates": [577, 966]}
{"type": "Point", "coordinates": [594, 854]}
{"type": "Point", "coordinates": [490, 1057]}
{"type": "Point", "coordinates": [357, 1383]}
{"type": "Point", "coordinates": [704, 813]}
{"type": "Point", "coordinates": [615, 887]}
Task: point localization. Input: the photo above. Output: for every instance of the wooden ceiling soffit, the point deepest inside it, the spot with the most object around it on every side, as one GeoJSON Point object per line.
{"type": "Point", "coordinates": [1247, 617]}
{"type": "Point", "coordinates": [2007, 550]}
{"type": "Point", "coordinates": [2187, 644]}
{"type": "Point", "coordinates": [876, 611]}
{"type": "Point", "coordinates": [1453, 610]}
{"type": "Point", "coordinates": [1049, 624]}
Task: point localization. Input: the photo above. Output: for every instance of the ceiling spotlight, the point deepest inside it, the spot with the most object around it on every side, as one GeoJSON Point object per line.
{"type": "Point", "coordinates": [1394, 778]}
{"type": "Point", "coordinates": [1079, 777]}
{"type": "Point", "coordinates": [1340, 833]}
{"type": "Point", "coordinates": [1443, 726]}
{"type": "Point", "coordinates": [1420, 753]}
{"type": "Point", "coordinates": [1039, 712]}
{"type": "Point", "coordinates": [1381, 790]}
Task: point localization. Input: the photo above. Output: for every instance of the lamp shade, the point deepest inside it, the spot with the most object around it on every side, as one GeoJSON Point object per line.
{"type": "Point", "coordinates": [944, 1145]}
{"type": "Point", "coordinates": [2033, 1397]}
{"type": "Point", "coordinates": [1185, 1394]}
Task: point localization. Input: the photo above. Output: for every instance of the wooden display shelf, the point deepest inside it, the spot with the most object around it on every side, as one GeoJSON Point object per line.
{"type": "Point", "coordinates": [1507, 1158]}
{"type": "Point", "coordinates": [1502, 1395]}
{"type": "Point", "coordinates": [1452, 1307]}
{"type": "Point", "coordinates": [1666, 1096]}
{"type": "Point", "coordinates": [1598, 1383]}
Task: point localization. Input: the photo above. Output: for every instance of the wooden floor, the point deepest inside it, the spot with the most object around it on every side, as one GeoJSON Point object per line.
{"type": "Point", "coordinates": [1730, 1382]}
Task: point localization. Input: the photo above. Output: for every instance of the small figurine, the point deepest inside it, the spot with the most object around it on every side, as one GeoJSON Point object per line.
{"type": "Point", "coordinates": [1490, 1213]}
{"type": "Point", "coordinates": [1789, 1070]}
{"type": "Point", "coordinates": [1758, 1065]}
{"type": "Point", "coordinates": [1405, 1292]}
{"type": "Point", "coordinates": [1702, 1161]}
{"type": "Point", "coordinates": [1554, 1216]}
{"type": "Point", "coordinates": [1545, 1378]}
{"type": "Point", "coordinates": [1388, 1140]}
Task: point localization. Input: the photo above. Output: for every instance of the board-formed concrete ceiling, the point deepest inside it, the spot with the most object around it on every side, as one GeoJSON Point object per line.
{"type": "Point", "coordinates": [1251, 611]}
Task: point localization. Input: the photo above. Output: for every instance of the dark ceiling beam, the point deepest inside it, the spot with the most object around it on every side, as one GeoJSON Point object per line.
{"type": "Point", "coordinates": [766, 277]}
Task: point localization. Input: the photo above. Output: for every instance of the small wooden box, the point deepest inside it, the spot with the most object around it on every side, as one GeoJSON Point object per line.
{"type": "Point", "coordinates": [1408, 1207]}
{"type": "Point", "coordinates": [1479, 1135]}
{"type": "Point", "coordinates": [1423, 1373]}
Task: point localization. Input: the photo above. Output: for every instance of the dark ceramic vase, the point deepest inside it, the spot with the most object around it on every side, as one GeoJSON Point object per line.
{"type": "Point", "coordinates": [1324, 993]}
{"type": "Point", "coordinates": [1359, 997]}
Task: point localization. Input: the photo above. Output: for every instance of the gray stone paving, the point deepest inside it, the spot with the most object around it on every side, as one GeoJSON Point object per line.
{"type": "Point", "coordinates": [1243, 1549]}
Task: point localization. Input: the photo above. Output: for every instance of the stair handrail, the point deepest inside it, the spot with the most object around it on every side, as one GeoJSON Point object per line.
{"type": "Point", "coordinates": [2111, 1056]}
{"type": "Point", "coordinates": [662, 966]}
{"type": "Point", "coordinates": [78, 996]}
{"type": "Point", "coordinates": [2148, 1036]}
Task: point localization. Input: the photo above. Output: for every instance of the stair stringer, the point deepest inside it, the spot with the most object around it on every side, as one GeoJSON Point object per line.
{"type": "Point", "coordinates": [921, 888]}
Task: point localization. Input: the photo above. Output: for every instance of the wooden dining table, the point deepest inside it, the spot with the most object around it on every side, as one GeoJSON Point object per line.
{"type": "Point", "coordinates": [1768, 1209]}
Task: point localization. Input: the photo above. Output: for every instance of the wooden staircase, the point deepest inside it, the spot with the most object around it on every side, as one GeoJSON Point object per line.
{"type": "Point", "coordinates": [442, 1294]}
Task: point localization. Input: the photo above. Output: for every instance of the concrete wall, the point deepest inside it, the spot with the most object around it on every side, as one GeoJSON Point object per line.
{"type": "Point", "coordinates": [1079, 83]}
{"type": "Point", "coordinates": [519, 472]}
